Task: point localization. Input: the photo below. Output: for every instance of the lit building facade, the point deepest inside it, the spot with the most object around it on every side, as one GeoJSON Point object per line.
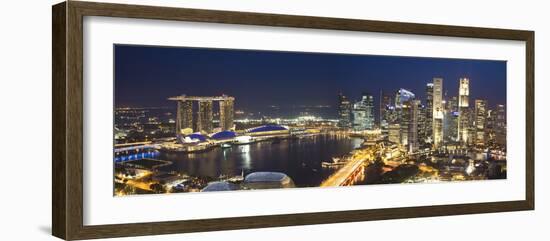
{"type": "Point", "coordinates": [344, 111]}
{"type": "Point", "coordinates": [363, 113]}
{"type": "Point", "coordinates": [500, 125]}
{"type": "Point", "coordinates": [394, 133]}
{"type": "Point", "coordinates": [438, 112]}
{"type": "Point", "coordinates": [227, 114]}
{"type": "Point", "coordinates": [184, 116]}
{"type": "Point", "coordinates": [413, 125]}
{"type": "Point", "coordinates": [385, 104]}
{"type": "Point", "coordinates": [480, 121]}
{"type": "Point", "coordinates": [464, 110]}
{"type": "Point", "coordinates": [428, 113]}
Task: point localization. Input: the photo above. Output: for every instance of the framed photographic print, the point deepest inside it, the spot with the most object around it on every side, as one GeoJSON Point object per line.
{"type": "Point", "coordinates": [171, 120]}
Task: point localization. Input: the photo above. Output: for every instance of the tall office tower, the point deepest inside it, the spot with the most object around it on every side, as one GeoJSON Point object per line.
{"type": "Point", "coordinates": [405, 122]}
{"type": "Point", "coordinates": [363, 113]}
{"type": "Point", "coordinates": [394, 133]}
{"type": "Point", "coordinates": [421, 124]}
{"type": "Point", "coordinates": [403, 98]}
{"type": "Point", "coordinates": [450, 126]}
{"type": "Point", "coordinates": [205, 116]}
{"type": "Point", "coordinates": [480, 121]}
{"type": "Point", "coordinates": [452, 104]}
{"type": "Point", "coordinates": [368, 101]}
{"type": "Point", "coordinates": [385, 103]}
{"type": "Point", "coordinates": [500, 125]}
{"type": "Point", "coordinates": [184, 116]}
{"type": "Point", "coordinates": [344, 111]}
{"type": "Point", "coordinates": [413, 125]}
{"type": "Point", "coordinates": [227, 113]}
{"type": "Point", "coordinates": [490, 126]}
{"type": "Point", "coordinates": [429, 112]}
{"type": "Point", "coordinates": [437, 112]}
{"type": "Point", "coordinates": [463, 109]}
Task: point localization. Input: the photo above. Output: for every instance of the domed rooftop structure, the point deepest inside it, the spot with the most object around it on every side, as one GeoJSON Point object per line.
{"type": "Point", "coordinates": [194, 137]}
{"type": "Point", "coordinates": [267, 180]}
{"type": "Point", "coordinates": [223, 135]}
{"type": "Point", "coordinates": [220, 186]}
{"type": "Point", "coordinates": [265, 128]}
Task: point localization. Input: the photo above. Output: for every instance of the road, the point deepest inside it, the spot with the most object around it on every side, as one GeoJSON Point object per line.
{"type": "Point", "coordinates": [350, 169]}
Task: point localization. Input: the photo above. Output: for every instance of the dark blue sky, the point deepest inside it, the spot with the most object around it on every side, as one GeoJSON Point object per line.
{"type": "Point", "coordinates": [146, 75]}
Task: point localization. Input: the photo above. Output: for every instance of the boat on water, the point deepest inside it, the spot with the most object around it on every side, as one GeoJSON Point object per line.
{"type": "Point", "coordinates": [226, 145]}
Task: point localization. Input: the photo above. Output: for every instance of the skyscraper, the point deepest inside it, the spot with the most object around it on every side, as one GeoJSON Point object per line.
{"type": "Point", "coordinates": [344, 111]}
{"type": "Point", "coordinates": [437, 112]}
{"type": "Point", "coordinates": [226, 113]}
{"type": "Point", "coordinates": [429, 112]}
{"type": "Point", "coordinates": [480, 121]}
{"type": "Point", "coordinates": [500, 125]}
{"type": "Point", "coordinates": [413, 125]}
{"type": "Point", "coordinates": [385, 103]}
{"type": "Point", "coordinates": [463, 109]}
{"type": "Point", "coordinates": [403, 104]}
{"type": "Point", "coordinates": [184, 116]}
{"type": "Point", "coordinates": [205, 116]}
{"type": "Point", "coordinates": [363, 113]}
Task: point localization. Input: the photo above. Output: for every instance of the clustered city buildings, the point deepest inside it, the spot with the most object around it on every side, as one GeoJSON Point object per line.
{"type": "Point", "coordinates": [439, 122]}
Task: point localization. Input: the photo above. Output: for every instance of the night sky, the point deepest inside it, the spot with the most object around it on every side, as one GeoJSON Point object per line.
{"type": "Point", "coordinates": [145, 76]}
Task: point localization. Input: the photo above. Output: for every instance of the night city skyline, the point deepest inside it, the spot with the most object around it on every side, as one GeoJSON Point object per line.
{"type": "Point", "coordinates": [202, 120]}
{"type": "Point", "coordinates": [288, 75]}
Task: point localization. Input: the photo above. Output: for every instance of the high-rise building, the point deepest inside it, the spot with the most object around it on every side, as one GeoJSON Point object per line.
{"type": "Point", "coordinates": [480, 121]}
{"type": "Point", "coordinates": [385, 103]}
{"type": "Point", "coordinates": [344, 111]}
{"type": "Point", "coordinates": [402, 111]}
{"type": "Point", "coordinates": [429, 113]}
{"type": "Point", "coordinates": [463, 109]}
{"type": "Point", "coordinates": [394, 133]}
{"type": "Point", "coordinates": [184, 116]}
{"type": "Point", "coordinates": [500, 125]}
{"type": "Point", "coordinates": [205, 116]}
{"type": "Point", "coordinates": [450, 126]}
{"type": "Point", "coordinates": [421, 125]}
{"type": "Point", "coordinates": [363, 113]}
{"type": "Point", "coordinates": [438, 112]}
{"type": "Point", "coordinates": [226, 113]}
{"type": "Point", "coordinates": [413, 125]}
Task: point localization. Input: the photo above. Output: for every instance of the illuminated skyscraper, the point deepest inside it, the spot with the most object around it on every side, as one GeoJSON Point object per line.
{"type": "Point", "coordinates": [480, 121]}
{"type": "Point", "coordinates": [385, 103]}
{"type": "Point", "coordinates": [403, 100]}
{"type": "Point", "coordinates": [344, 111]}
{"type": "Point", "coordinates": [429, 113]}
{"type": "Point", "coordinates": [500, 125]}
{"type": "Point", "coordinates": [463, 109]}
{"type": "Point", "coordinates": [413, 125]}
{"type": "Point", "coordinates": [437, 112]}
{"type": "Point", "coordinates": [184, 116]}
{"type": "Point", "coordinates": [226, 113]}
{"type": "Point", "coordinates": [205, 116]}
{"type": "Point", "coordinates": [363, 113]}
{"type": "Point", "coordinates": [394, 133]}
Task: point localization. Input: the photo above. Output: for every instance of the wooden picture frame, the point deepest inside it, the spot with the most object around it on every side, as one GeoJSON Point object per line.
{"type": "Point", "coordinates": [67, 150]}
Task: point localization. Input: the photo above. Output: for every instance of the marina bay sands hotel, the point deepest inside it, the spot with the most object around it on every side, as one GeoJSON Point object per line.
{"type": "Point", "coordinates": [204, 112]}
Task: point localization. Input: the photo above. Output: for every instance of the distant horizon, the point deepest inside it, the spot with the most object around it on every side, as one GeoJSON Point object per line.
{"type": "Point", "coordinates": [145, 76]}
